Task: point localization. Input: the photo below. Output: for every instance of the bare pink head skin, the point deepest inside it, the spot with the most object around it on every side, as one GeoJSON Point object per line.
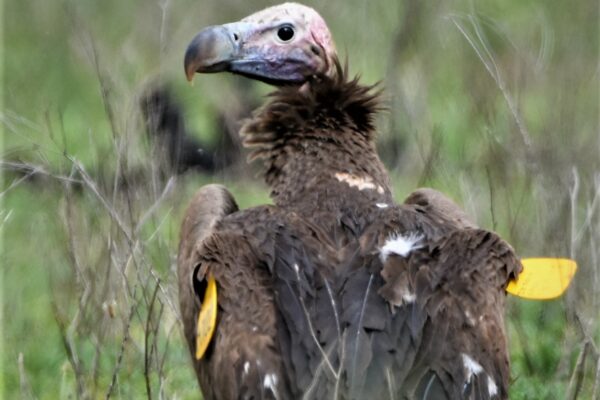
{"type": "Point", "coordinates": [287, 44]}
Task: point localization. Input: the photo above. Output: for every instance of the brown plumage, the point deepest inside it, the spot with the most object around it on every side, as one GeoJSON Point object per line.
{"type": "Point", "coordinates": [335, 291]}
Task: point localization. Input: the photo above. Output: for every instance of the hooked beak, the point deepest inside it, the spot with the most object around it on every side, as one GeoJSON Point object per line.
{"type": "Point", "coordinates": [211, 50]}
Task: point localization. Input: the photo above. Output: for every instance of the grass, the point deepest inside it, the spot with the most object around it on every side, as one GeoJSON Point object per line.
{"type": "Point", "coordinates": [492, 103]}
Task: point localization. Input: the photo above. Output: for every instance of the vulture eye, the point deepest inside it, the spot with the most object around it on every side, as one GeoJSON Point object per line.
{"type": "Point", "coordinates": [285, 33]}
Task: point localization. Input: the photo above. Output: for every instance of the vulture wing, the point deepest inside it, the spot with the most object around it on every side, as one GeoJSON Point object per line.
{"type": "Point", "coordinates": [268, 265]}
{"type": "Point", "coordinates": [447, 293]}
{"type": "Point", "coordinates": [242, 360]}
{"type": "Point", "coordinates": [445, 282]}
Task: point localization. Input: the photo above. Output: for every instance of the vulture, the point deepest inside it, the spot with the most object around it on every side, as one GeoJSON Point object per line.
{"type": "Point", "coordinates": [334, 291]}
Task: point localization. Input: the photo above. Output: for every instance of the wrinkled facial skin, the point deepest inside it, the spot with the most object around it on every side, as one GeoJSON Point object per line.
{"type": "Point", "coordinates": [281, 45]}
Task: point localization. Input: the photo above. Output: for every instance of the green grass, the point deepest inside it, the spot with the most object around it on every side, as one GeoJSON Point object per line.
{"type": "Point", "coordinates": [74, 72]}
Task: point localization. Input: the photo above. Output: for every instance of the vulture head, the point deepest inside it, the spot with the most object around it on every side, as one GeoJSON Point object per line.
{"type": "Point", "coordinates": [288, 44]}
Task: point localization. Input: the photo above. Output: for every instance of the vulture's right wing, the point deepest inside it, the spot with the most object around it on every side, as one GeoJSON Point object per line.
{"type": "Point", "coordinates": [441, 270]}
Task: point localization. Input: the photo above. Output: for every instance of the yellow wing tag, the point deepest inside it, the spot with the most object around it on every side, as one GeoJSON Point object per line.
{"type": "Point", "coordinates": [543, 278]}
{"type": "Point", "coordinates": [207, 318]}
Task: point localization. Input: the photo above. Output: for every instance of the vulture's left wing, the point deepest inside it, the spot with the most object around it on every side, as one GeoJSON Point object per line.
{"type": "Point", "coordinates": [227, 300]}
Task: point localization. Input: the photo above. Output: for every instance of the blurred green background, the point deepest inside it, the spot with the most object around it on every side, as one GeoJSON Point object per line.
{"type": "Point", "coordinates": [494, 103]}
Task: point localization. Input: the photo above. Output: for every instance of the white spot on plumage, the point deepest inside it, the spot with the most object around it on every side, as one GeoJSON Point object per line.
{"type": "Point", "coordinates": [472, 366]}
{"type": "Point", "coordinates": [296, 268]}
{"type": "Point", "coordinates": [470, 318]}
{"type": "Point", "coordinates": [409, 297]}
{"type": "Point", "coordinates": [382, 205]}
{"type": "Point", "coordinates": [246, 367]}
{"type": "Point", "coordinates": [400, 245]}
{"type": "Point", "coordinates": [359, 182]}
{"type": "Point", "coordinates": [492, 388]}
{"type": "Point", "coordinates": [270, 382]}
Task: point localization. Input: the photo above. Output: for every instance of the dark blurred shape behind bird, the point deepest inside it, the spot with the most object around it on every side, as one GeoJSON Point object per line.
{"type": "Point", "coordinates": [335, 291]}
{"type": "Point", "coordinates": [177, 148]}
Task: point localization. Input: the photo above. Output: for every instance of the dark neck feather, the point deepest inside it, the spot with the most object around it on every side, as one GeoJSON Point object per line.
{"type": "Point", "coordinates": [305, 137]}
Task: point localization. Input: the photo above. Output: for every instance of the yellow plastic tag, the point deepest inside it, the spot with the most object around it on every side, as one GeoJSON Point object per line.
{"type": "Point", "coordinates": [543, 278]}
{"type": "Point", "coordinates": [207, 318]}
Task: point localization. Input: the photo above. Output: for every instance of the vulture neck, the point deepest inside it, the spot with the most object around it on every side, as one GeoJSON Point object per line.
{"type": "Point", "coordinates": [318, 147]}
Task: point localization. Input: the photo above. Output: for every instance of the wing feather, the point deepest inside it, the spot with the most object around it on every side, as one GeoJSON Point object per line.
{"type": "Point", "coordinates": [243, 359]}
{"type": "Point", "coordinates": [458, 277]}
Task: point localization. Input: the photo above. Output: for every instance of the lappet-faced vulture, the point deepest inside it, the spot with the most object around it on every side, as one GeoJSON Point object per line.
{"type": "Point", "coordinates": [335, 291]}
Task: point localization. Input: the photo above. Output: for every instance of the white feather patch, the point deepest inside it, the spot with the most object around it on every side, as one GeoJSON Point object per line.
{"type": "Point", "coordinates": [400, 245]}
{"type": "Point", "coordinates": [409, 297]}
{"type": "Point", "coordinates": [246, 367]}
{"type": "Point", "coordinates": [270, 382]}
{"type": "Point", "coordinates": [470, 318]}
{"type": "Point", "coordinates": [359, 182]}
{"type": "Point", "coordinates": [472, 366]}
{"type": "Point", "coordinates": [492, 388]}
{"type": "Point", "coordinates": [382, 205]}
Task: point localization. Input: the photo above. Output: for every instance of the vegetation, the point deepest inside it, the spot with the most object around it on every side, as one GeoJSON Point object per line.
{"type": "Point", "coordinates": [494, 103]}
